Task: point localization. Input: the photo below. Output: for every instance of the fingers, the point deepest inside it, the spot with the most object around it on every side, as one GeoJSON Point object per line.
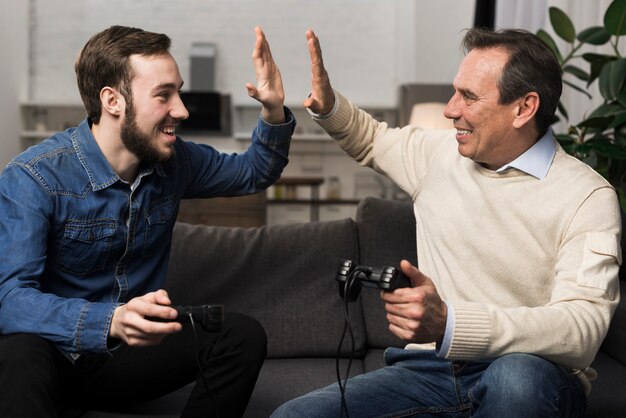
{"type": "Point", "coordinates": [315, 52]}
{"type": "Point", "coordinates": [269, 85]}
{"type": "Point", "coordinates": [322, 98]}
{"type": "Point", "coordinates": [417, 277]}
{"type": "Point", "coordinates": [129, 322]}
{"type": "Point", "coordinates": [262, 49]}
{"type": "Point", "coordinates": [422, 288]}
{"type": "Point", "coordinates": [162, 298]}
{"type": "Point", "coordinates": [252, 90]}
{"type": "Point", "coordinates": [416, 314]}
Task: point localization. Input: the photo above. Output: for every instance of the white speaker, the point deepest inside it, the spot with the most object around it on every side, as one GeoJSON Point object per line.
{"type": "Point", "coordinates": [202, 56]}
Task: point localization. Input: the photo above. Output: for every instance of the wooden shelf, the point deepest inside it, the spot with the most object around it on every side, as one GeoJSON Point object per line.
{"type": "Point", "coordinates": [304, 137]}
{"type": "Point", "coordinates": [311, 201]}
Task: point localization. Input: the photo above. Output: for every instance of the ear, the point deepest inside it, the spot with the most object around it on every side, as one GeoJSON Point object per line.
{"type": "Point", "coordinates": [112, 101]}
{"type": "Point", "coordinates": [526, 109]}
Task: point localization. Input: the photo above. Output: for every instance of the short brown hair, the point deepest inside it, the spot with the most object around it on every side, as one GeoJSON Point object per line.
{"type": "Point", "coordinates": [104, 61]}
{"type": "Point", "coordinates": [532, 66]}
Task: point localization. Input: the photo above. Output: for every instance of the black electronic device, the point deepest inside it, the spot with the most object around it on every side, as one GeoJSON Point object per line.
{"type": "Point", "coordinates": [386, 278]}
{"type": "Point", "coordinates": [209, 114]}
{"type": "Point", "coordinates": [209, 316]}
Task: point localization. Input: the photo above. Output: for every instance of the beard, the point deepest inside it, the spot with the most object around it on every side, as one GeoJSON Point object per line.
{"type": "Point", "coordinates": [138, 142]}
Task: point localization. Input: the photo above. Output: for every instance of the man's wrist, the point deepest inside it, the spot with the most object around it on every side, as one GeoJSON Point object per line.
{"type": "Point", "coordinates": [275, 116]}
{"type": "Point", "coordinates": [323, 114]}
{"type": "Point", "coordinates": [443, 345]}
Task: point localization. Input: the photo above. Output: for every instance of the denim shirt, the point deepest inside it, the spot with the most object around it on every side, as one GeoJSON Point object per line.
{"type": "Point", "coordinates": [77, 241]}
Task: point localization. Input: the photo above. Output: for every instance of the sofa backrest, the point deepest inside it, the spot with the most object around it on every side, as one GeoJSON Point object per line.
{"type": "Point", "coordinates": [386, 236]}
{"type": "Point", "coordinates": [282, 275]}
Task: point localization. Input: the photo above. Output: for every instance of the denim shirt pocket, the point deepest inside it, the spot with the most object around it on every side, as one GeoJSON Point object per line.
{"type": "Point", "coordinates": [160, 219]}
{"type": "Point", "coordinates": [86, 246]}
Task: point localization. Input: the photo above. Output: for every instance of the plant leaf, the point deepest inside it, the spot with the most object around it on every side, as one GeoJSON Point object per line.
{"type": "Point", "coordinates": [573, 131]}
{"type": "Point", "coordinates": [597, 62]}
{"type": "Point", "coordinates": [620, 119]}
{"type": "Point", "coordinates": [575, 87]}
{"type": "Point", "coordinates": [606, 109]}
{"type": "Point", "coordinates": [564, 138]}
{"type": "Point", "coordinates": [595, 35]}
{"type": "Point", "coordinates": [596, 122]}
{"type": "Point", "coordinates": [562, 24]}
{"type": "Point", "coordinates": [615, 18]}
{"type": "Point", "coordinates": [547, 39]}
{"type": "Point", "coordinates": [609, 150]}
{"type": "Point", "coordinates": [576, 72]}
{"type": "Point", "coordinates": [621, 97]}
{"type": "Point", "coordinates": [592, 57]}
{"type": "Point", "coordinates": [612, 78]}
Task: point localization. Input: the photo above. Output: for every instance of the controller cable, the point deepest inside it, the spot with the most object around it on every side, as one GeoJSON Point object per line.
{"type": "Point", "coordinates": [347, 291]}
{"type": "Point", "coordinates": [199, 364]}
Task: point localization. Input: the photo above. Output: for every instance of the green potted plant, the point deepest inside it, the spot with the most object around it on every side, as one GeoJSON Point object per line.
{"type": "Point", "coordinates": [600, 138]}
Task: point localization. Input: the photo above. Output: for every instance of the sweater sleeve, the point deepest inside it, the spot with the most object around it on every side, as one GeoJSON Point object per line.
{"type": "Point", "coordinates": [402, 154]}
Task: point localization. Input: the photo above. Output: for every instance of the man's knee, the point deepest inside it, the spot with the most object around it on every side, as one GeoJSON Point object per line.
{"type": "Point", "coordinates": [520, 375]}
{"type": "Point", "coordinates": [246, 332]}
{"type": "Point", "coordinates": [29, 382]}
{"type": "Point", "coordinates": [318, 404]}
{"type": "Point", "coordinates": [26, 355]}
{"type": "Point", "coordinates": [523, 381]}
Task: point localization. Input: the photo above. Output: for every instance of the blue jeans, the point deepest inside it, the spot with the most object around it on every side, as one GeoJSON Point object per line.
{"type": "Point", "coordinates": [418, 383]}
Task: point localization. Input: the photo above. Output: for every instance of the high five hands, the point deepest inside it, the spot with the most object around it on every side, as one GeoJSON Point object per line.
{"type": "Point", "coordinates": [269, 89]}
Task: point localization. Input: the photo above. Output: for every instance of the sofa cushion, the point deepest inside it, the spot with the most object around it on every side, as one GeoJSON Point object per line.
{"type": "Point", "coordinates": [606, 399]}
{"type": "Point", "coordinates": [281, 380]}
{"type": "Point", "coordinates": [282, 275]}
{"type": "Point", "coordinates": [386, 236]}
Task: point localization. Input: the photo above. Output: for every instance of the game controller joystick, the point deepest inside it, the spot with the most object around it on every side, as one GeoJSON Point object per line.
{"type": "Point", "coordinates": [209, 316]}
{"type": "Point", "coordinates": [387, 278]}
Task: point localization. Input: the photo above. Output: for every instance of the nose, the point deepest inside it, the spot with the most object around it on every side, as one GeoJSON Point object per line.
{"type": "Point", "coordinates": [452, 108]}
{"type": "Point", "coordinates": [179, 111]}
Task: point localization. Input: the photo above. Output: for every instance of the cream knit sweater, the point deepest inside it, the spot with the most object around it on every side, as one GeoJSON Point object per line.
{"type": "Point", "coordinates": [529, 265]}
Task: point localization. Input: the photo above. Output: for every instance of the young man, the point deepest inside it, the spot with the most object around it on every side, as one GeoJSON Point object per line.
{"type": "Point", "coordinates": [518, 247]}
{"type": "Point", "coordinates": [86, 219]}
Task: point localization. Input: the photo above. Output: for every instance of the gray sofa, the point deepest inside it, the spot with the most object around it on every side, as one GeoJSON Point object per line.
{"type": "Point", "coordinates": [283, 275]}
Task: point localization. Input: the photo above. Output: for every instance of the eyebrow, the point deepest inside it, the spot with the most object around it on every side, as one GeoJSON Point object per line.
{"type": "Point", "coordinates": [467, 92]}
{"type": "Point", "coordinates": [168, 86]}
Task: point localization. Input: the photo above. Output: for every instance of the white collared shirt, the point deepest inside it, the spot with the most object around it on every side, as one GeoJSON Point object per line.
{"type": "Point", "coordinates": [537, 159]}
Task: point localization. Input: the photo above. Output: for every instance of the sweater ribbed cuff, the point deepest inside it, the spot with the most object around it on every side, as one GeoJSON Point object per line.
{"type": "Point", "coordinates": [340, 118]}
{"type": "Point", "coordinates": [472, 330]}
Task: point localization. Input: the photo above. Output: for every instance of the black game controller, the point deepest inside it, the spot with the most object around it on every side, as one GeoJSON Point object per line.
{"type": "Point", "coordinates": [387, 278]}
{"type": "Point", "coordinates": [210, 316]}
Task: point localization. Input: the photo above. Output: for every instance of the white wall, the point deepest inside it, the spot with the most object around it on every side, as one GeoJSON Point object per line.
{"type": "Point", "coordinates": [13, 74]}
{"type": "Point", "coordinates": [370, 46]}
{"type": "Point", "coordinates": [361, 40]}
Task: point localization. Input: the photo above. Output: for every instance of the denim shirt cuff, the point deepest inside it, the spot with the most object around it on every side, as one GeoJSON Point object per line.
{"type": "Point", "coordinates": [93, 327]}
{"type": "Point", "coordinates": [269, 133]}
